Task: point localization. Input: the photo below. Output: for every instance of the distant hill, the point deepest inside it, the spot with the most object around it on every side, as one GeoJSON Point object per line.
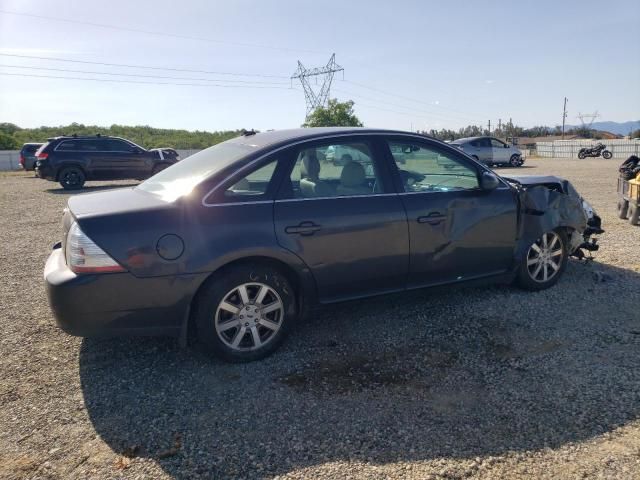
{"type": "Point", "coordinates": [614, 127]}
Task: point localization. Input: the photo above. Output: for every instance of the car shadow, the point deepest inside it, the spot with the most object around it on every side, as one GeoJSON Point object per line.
{"type": "Point", "coordinates": [414, 376]}
{"type": "Point", "coordinates": [91, 188]}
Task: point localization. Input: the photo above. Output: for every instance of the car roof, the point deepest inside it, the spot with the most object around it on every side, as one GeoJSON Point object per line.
{"type": "Point", "coordinates": [468, 139]}
{"type": "Point", "coordinates": [28, 144]}
{"type": "Point", "coordinates": [82, 137]}
{"type": "Point", "coordinates": [273, 137]}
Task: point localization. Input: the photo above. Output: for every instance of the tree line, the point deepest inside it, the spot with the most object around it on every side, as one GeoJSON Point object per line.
{"type": "Point", "coordinates": [12, 137]}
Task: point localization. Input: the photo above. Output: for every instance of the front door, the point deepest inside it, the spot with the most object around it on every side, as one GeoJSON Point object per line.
{"type": "Point", "coordinates": [344, 221]}
{"type": "Point", "coordinates": [457, 230]}
{"type": "Point", "coordinates": [500, 151]}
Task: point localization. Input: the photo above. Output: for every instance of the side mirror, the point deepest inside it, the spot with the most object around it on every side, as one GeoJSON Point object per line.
{"type": "Point", "coordinates": [136, 150]}
{"type": "Point", "coordinates": [489, 181]}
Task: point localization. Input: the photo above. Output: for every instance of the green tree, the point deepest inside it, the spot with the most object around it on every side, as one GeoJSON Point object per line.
{"type": "Point", "coordinates": [335, 114]}
{"type": "Point", "coordinates": [635, 134]}
{"type": "Point", "coordinates": [7, 142]}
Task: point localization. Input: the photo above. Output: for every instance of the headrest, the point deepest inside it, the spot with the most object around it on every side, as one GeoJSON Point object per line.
{"type": "Point", "coordinates": [352, 175]}
{"type": "Point", "coordinates": [310, 167]}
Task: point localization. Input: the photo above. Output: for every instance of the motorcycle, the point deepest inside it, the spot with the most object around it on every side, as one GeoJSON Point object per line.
{"type": "Point", "coordinates": [596, 151]}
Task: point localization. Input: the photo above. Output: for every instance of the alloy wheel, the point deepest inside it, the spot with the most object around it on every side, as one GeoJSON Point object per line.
{"type": "Point", "coordinates": [249, 316]}
{"type": "Point", "coordinates": [71, 178]}
{"type": "Point", "coordinates": [545, 257]}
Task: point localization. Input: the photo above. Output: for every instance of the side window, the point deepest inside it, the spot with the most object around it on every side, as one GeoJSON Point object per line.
{"type": "Point", "coordinates": [426, 169]}
{"type": "Point", "coordinates": [117, 146]}
{"type": "Point", "coordinates": [496, 143]}
{"type": "Point", "coordinates": [68, 146]}
{"type": "Point", "coordinates": [253, 186]}
{"type": "Point", "coordinates": [335, 170]}
{"type": "Point", "coordinates": [485, 143]}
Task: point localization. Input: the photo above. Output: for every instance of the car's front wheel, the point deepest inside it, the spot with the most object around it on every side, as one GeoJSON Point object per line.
{"type": "Point", "coordinates": [71, 178]}
{"type": "Point", "coordinates": [545, 261]}
{"type": "Point", "coordinates": [245, 312]}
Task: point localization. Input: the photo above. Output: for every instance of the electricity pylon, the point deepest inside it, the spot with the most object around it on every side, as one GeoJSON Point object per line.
{"type": "Point", "coordinates": [313, 99]}
{"type": "Point", "coordinates": [592, 116]}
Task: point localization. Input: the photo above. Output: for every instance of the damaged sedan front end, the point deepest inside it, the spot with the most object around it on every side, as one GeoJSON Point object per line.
{"type": "Point", "coordinates": [548, 203]}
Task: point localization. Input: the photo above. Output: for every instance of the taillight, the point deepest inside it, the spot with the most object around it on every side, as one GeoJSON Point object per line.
{"type": "Point", "coordinates": [43, 156]}
{"type": "Point", "coordinates": [84, 256]}
{"type": "Point", "coordinates": [22, 160]}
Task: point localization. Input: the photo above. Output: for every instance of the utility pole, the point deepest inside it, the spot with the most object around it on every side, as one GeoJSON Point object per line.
{"type": "Point", "coordinates": [489, 127]}
{"type": "Point", "coordinates": [499, 124]}
{"type": "Point", "coordinates": [564, 116]}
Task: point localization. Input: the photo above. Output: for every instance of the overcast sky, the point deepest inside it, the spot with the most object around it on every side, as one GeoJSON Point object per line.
{"type": "Point", "coordinates": [407, 64]}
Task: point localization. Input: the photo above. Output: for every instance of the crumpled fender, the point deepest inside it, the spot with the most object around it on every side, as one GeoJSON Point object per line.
{"type": "Point", "coordinates": [543, 209]}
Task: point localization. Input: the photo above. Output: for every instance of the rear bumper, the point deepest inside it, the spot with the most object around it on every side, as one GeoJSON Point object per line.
{"type": "Point", "coordinates": [116, 304]}
{"type": "Point", "coordinates": [44, 171]}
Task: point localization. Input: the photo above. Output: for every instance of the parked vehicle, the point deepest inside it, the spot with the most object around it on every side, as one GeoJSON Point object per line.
{"type": "Point", "coordinates": [28, 155]}
{"type": "Point", "coordinates": [74, 160]}
{"type": "Point", "coordinates": [490, 151]}
{"type": "Point", "coordinates": [599, 149]}
{"type": "Point", "coordinates": [629, 190]}
{"type": "Point", "coordinates": [234, 243]}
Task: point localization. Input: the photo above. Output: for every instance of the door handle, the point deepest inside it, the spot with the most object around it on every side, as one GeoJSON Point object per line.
{"type": "Point", "coordinates": [304, 228]}
{"type": "Point", "coordinates": [434, 218]}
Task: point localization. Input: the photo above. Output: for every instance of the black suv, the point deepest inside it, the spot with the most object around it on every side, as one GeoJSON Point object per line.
{"type": "Point", "coordinates": [73, 160]}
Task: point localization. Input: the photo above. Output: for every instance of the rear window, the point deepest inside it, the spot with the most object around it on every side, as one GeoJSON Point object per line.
{"type": "Point", "coordinates": [182, 177]}
{"type": "Point", "coordinates": [30, 149]}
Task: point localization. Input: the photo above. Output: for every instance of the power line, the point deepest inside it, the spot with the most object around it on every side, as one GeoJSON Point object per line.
{"type": "Point", "coordinates": [157, 33]}
{"type": "Point", "coordinates": [145, 67]}
{"type": "Point", "coordinates": [431, 114]}
{"type": "Point", "coordinates": [144, 82]}
{"type": "Point", "coordinates": [404, 97]}
{"type": "Point", "coordinates": [143, 76]}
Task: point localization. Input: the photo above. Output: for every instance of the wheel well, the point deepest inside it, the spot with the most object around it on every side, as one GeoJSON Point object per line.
{"type": "Point", "coordinates": [286, 270]}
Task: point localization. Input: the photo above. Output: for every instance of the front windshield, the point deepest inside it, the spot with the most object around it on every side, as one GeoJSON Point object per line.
{"type": "Point", "coordinates": [182, 177]}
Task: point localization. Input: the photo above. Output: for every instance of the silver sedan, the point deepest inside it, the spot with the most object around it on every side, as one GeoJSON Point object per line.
{"type": "Point", "coordinates": [490, 151]}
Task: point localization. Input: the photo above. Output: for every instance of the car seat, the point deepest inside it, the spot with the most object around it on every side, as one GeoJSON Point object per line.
{"type": "Point", "coordinates": [353, 180]}
{"type": "Point", "coordinates": [310, 185]}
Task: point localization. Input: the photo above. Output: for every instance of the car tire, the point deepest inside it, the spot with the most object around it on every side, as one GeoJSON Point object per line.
{"type": "Point", "coordinates": [158, 168]}
{"type": "Point", "coordinates": [515, 161]}
{"type": "Point", "coordinates": [623, 209]}
{"type": "Point", "coordinates": [634, 214]}
{"type": "Point", "coordinates": [231, 314]}
{"type": "Point", "coordinates": [536, 271]}
{"type": "Point", "coordinates": [71, 178]}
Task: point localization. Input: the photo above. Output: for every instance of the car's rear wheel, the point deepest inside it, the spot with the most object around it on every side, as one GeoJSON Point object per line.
{"type": "Point", "coordinates": [545, 261]}
{"type": "Point", "coordinates": [71, 178]}
{"type": "Point", "coordinates": [515, 161]}
{"type": "Point", "coordinates": [245, 312]}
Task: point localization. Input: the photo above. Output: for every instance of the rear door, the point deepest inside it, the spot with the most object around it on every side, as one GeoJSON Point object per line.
{"type": "Point", "coordinates": [345, 222]}
{"type": "Point", "coordinates": [457, 230]}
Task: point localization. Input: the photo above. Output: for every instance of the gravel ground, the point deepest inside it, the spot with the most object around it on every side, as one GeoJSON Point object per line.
{"type": "Point", "coordinates": [468, 383]}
